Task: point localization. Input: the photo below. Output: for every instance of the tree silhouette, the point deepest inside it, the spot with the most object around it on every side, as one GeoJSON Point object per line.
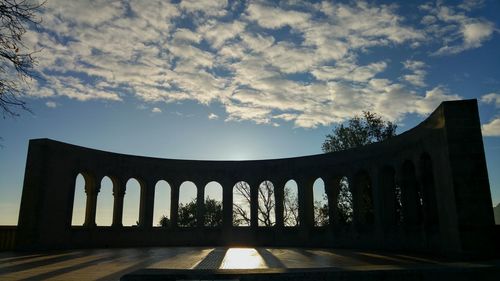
{"type": "Point", "coordinates": [16, 59]}
{"type": "Point", "coordinates": [267, 204]}
{"type": "Point", "coordinates": [187, 214]}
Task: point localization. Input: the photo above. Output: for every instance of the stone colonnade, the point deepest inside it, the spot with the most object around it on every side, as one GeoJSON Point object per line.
{"type": "Point", "coordinates": [426, 189]}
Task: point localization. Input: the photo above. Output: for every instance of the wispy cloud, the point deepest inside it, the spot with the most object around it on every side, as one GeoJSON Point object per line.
{"type": "Point", "coordinates": [457, 31]}
{"type": "Point", "coordinates": [491, 98]}
{"type": "Point", "coordinates": [266, 63]}
{"type": "Point", "coordinates": [492, 128]}
{"type": "Point", "coordinates": [51, 104]}
{"type": "Point", "coordinates": [417, 77]}
{"type": "Point", "coordinates": [156, 110]}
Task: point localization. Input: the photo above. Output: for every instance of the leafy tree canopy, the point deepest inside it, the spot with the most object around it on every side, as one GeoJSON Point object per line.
{"type": "Point", "coordinates": [359, 131]}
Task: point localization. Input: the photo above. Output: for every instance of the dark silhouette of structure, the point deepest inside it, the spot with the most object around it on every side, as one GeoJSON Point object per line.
{"type": "Point", "coordinates": [439, 166]}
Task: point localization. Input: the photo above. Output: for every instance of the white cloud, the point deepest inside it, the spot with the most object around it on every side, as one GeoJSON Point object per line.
{"type": "Point", "coordinates": [492, 129]}
{"type": "Point", "coordinates": [274, 17]}
{"type": "Point", "coordinates": [208, 7]}
{"type": "Point", "coordinates": [491, 98]}
{"type": "Point", "coordinates": [265, 63]}
{"type": "Point", "coordinates": [417, 77]}
{"type": "Point", "coordinates": [213, 116]}
{"type": "Point", "coordinates": [51, 104]}
{"type": "Point", "coordinates": [460, 31]}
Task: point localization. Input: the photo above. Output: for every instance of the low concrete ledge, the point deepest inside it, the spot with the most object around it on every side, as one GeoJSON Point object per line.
{"type": "Point", "coordinates": [455, 272]}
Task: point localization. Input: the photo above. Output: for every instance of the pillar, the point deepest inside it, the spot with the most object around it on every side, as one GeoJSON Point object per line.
{"type": "Point", "coordinates": [118, 195]}
{"type": "Point", "coordinates": [92, 190]}
{"type": "Point", "coordinates": [227, 205]}
{"type": "Point", "coordinates": [332, 189]}
{"type": "Point", "coordinates": [254, 205]}
{"type": "Point", "coordinates": [306, 203]}
{"type": "Point", "coordinates": [146, 207]}
{"type": "Point", "coordinates": [174, 204]}
{"type": "Point", "coordinates": [200, 205]}
{"type": "Point", "coordinates": [279, 189]}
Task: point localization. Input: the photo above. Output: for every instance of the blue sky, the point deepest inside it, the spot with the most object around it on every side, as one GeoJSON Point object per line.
{"type": "Point", "coordinates": [247, 80]}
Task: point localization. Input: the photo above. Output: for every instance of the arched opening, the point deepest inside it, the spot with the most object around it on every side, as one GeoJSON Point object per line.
{"type": "Point", "coordinates": [411, 195]}
{"type": "Point", "coordinates": [365, 200]}
{"type": "Point", "coordinates": [213, 204]}
{"type": "Point", "coordinates": [291, 204]}
{"type": "Point", "coordinates": [321, 217]}
{"type": "Point", "coordinates": [187, 205]}
{"type": "Point", "coordinates": [78, 216]}
{"type": "Point", "coordinates": [431, 216]}
{"type": "Point", "coordinates": [104, 212]}
{"type": "Point", "coordinates": [161, 212]}
{"type": "Point", "coordinates": [131, 203]}
{"type": "Point", "coordinates": [241, 204]}
{"type": "Point", "coordinates": [345, 202]}
{"type": "Point", "coordinates": [267, 204]}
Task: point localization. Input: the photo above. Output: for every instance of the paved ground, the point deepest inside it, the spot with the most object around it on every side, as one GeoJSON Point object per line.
{"type": "Point", "coordinates": [111, 264]}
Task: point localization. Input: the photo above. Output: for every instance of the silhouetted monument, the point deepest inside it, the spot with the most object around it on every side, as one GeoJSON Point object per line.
{"type": "Point", "coordinates": [439, 166]}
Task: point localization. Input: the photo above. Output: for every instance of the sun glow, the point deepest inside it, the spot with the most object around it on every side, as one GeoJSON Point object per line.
{"type": "Point", "coordinates": [242, 258]}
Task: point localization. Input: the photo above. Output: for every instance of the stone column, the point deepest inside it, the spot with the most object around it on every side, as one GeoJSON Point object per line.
{"type": "Point", "coordinates": [227, 205]}
{"type": "Point", "coordinates": [147, 204]}
{"type": "Point", "coordinates": [306, 203]}
{"type": "Point", "coordinates": [254, 205]}
{"type": "Point", "coordinates": [379, 208]}
{"type": "Point", "coordinates": [200, 206]}
{"type": "Point", "coordinates": [174, 204]}
{"type": "Point", "coordinates": [92, 190]}
{"type": "Point", "coordinates": [279, 189]}
{"type": "Point", "coordinates": [332, 188]}
{"type": "Point", "coordinates": [354, 185]}
{"type": "Point", "coordinates": [385, 205]}
{"type": "Point", "coordinates": [409, 195]}
{"type": "Point", "coordinates": [118, 195]}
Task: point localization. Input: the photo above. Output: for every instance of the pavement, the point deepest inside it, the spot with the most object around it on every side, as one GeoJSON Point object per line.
{"type": "Point", "coordinates": [111, 264]}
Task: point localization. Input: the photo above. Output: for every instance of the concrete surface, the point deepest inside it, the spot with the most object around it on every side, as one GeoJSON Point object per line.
{"type": "Point", "coordinates": [111, 264]}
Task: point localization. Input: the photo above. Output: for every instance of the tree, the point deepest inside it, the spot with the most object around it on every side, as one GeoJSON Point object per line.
{"type": "Point", "coordinates": [16, 60]}
{"type": "Point", "coordinates": [164, 221]}
{"type": "Point", "coordinates": [266, 205]}
{"type": "Point", "coordinates": [358, 131]}
{"type": "Point", "coordinates": [213, 213]}
{"type": "Point", "coordinates": [187, 214]}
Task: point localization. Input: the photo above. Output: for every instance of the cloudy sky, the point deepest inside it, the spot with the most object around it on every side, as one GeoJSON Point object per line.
{"type": "Point", "coordinates": [247, 79]}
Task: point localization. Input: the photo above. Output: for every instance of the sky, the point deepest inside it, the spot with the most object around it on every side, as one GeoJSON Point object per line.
{"type": "Point", "coordinates": [246, 79]}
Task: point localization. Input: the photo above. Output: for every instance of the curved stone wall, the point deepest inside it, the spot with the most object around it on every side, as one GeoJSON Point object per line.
{"type": "Point", "coordinates": [439, 166]}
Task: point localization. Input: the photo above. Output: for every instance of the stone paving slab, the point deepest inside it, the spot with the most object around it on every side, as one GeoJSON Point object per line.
{"type": "Point", "coordinates": [111, 264]}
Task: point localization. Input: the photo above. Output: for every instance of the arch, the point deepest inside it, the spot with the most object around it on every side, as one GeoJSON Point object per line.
{"type": "Point", "coordinates": [364, 198]}
{"type": "Point", "coordinates": [213, 204]}
{"type": "Point", "coordinates": [241, 204]}
{"type": "Point", "coordinates": [267, 204]}
{"type": "Point", "coordinates": [344, 204]}
{"type": "Point", "coordinates": [291, 204]}
{"type": "Point", "coordinates": [320, 198]}
{"type": "Point", "coordinates": [131, 203]}
{"type": "Point", "coordinates": [161, 211]}
{"type": "Point", "coordinates": [187, 205]}
{"type": "Point", "coordinates": [411, 195]}
{"type": "Point", "coordinates": [79, 201]}
{"type": "Point", "coordinates": [104, 211]}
